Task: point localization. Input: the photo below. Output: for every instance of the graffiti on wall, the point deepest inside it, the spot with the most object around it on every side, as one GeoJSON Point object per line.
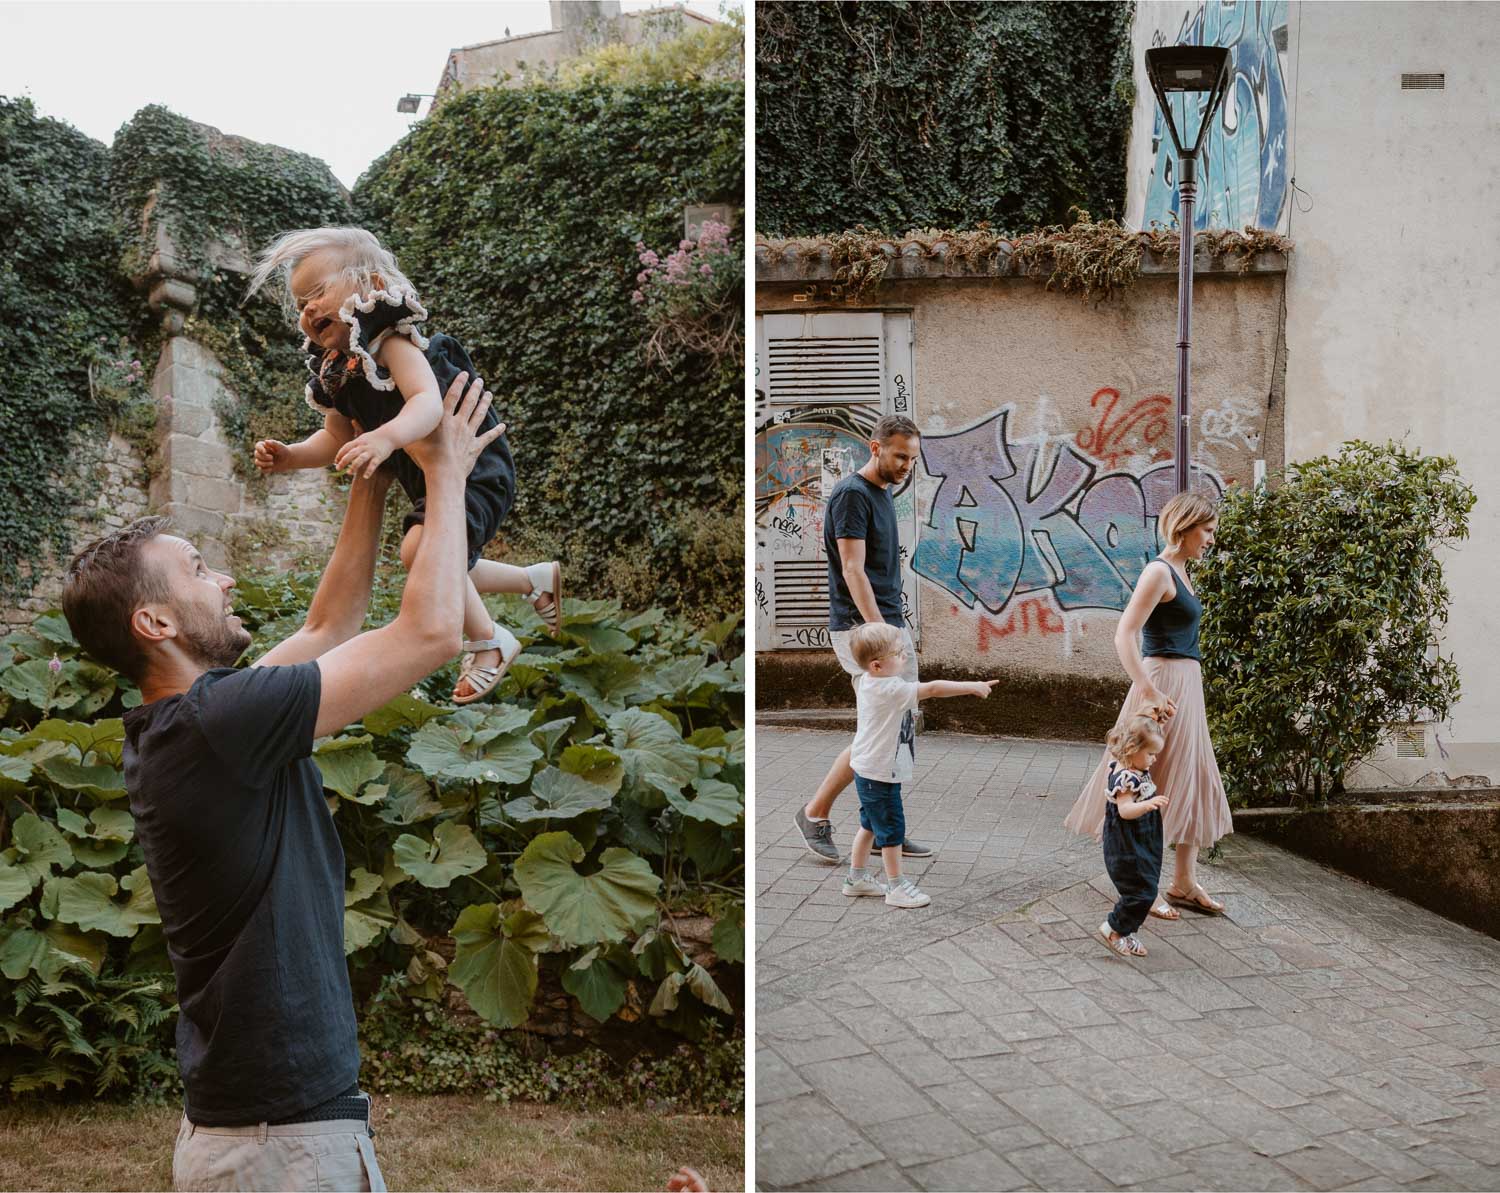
{"type": "Point", "coordinates": [1242, 169]}
{"type": "Point", "coordinates": [1014, 519]}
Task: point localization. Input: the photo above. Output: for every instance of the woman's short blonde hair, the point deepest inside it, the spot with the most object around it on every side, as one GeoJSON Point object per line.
{"type": "Point", "coordinates": [360, 256]}
{"type": "Point", "coordinates": [1183, 513]}
{"type": "Point", "coordinates": [874, 640]}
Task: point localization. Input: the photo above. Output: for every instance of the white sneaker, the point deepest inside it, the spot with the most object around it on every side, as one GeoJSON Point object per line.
{"type": "Point", "coordinates": [904, 893]}
{"type": "Point", "coordinates": [863, 885]}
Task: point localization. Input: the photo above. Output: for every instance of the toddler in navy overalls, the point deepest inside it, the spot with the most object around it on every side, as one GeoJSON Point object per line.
{"type": "Point", "coordinates": [1132, 833]}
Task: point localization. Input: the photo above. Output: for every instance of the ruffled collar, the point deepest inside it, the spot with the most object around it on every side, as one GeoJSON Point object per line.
{"type": "Point", "coordinates": [370, 318]}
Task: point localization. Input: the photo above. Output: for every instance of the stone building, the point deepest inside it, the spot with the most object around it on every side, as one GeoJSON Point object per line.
{"type": "Point", "coordinates": [577, 26]}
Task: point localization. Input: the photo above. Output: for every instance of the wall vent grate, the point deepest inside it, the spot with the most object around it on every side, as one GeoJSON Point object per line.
{"type": "Point", "coordinates": [1411, 740]}
{"type": "Point", "coordinates": [826, 370]}
{"type": "Point", "coordinates": [1423, 82]}
{"type": "Point", "coordinates": [801, 592]}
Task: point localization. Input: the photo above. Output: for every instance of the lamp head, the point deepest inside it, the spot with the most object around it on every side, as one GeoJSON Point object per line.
{"type": "Point", "coordinates": [1197, 78]}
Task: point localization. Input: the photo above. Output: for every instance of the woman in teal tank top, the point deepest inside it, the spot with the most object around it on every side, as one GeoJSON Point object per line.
{"type": "Point", "coordinates": [1165, 672]}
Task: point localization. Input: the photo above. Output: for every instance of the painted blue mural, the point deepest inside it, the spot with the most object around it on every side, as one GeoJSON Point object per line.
{"type": "Point", "coordinates": [1242, 169]}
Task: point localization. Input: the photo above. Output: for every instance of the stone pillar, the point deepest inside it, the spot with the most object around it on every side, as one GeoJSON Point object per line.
{"type": "Point", "coordinates": [195, 485]}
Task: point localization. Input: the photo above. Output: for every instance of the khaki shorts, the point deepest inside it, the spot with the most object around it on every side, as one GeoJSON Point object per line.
{"type": "Point", "coordinates": [840, 640]}
{"type": "Point", "coordinates": [337, 1155]}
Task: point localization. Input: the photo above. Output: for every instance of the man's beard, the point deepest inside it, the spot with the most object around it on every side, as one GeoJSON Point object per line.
{"type": "Point", "coordinates": [212, 641]}
{"type": "Point", "coordinates": [889, 473]}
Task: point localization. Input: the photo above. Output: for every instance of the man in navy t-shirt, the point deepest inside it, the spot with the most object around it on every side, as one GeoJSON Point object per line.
{"type": "Point", "coordinates": [244, 860]}
{"type": "Point", "coordinates": [864, 584]}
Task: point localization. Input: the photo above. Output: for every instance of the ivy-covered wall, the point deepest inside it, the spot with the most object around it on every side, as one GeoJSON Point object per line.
{"type": "Point", "coordinates": [516, 213]}
{"type": "Point", "coordinates": [64, 305]}
{"type": "Point", "coordinates": [939, 115]}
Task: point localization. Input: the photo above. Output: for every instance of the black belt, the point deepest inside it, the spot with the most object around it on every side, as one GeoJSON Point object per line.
{"type": "Point", "coordinates": [350, 1104]}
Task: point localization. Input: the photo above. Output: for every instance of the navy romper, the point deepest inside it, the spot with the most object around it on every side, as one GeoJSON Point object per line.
{"type": "Point", "coordinates": [352, 383]}
{"type": "Point", "coordinates": [1132, 849]}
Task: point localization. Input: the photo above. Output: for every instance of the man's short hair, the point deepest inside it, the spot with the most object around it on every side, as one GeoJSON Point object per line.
{"type": "Point", "coordinates": [105, 584]}
{"type": "Point", "coordinates": [874, 640]}
{"type": "Point", "coordinates": [894, 424]}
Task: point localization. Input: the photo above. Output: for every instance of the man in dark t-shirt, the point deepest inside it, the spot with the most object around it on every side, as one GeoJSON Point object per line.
{"type": "Point", "coordinates": [863, 547]}
{"type": "Point", "coordinates": [243, 856]}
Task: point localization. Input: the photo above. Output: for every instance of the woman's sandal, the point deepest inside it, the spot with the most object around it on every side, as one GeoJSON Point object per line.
{"type": "Point", "coordinates": [548, 602]}
{"type": "Point", "coordinates": [1165, 911]}
{"type": "Point", "coordinates": [1124, 946]}
{"type": "Point", "coordinates": [483, 680]}
{"type": "Point", "coordinates": [1198, 899]}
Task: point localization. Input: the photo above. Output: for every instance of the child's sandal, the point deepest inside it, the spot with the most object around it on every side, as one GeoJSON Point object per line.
{"type": "Point", "coordinates": [1124, 946]}
{"type": "Point", "coordinates": [484, 680]}
{"type": "Point", "coordinates": [548, 602]}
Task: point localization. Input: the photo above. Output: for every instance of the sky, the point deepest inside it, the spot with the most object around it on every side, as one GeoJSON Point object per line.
{"type": "Point", "coordinates": [320, 76]}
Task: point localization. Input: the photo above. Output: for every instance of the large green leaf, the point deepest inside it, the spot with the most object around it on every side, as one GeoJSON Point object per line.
{"type": "Point", "coordinates": [68, 948]}
{"type": "Point", "coordinates": [88, 901]}
{"type": "Point", "coordinates": [494, 963]}
{"type": "Point", "coordinates": [453, 852]}
{"type": "Point", "coordinates": [713, 801]}
{"type": "Point", "coordinates": [15, 884]}
{"type": "Point", "coordinates": [652, 750]}
{"type": "Point", "coordinates": [491, 750]}
{"type": "Point", "coordinates": [547, 735]}
{"type": "Point", "coordinates": [597, 984]}
{"type": "Point", "coordinates": [558, 795]}
{"type": "Point", "coordinates": [347, 764]}
{"type": "Point", "coordinates": [104, 738]}
{"type": "Point", "coordinates": [697, 982]}
{"type": "Point", "coordinates": [598, 764]}
{"type": "Point", "coordinates": [14, 771]}
{"type": "Point", "coordinates": [708, 846]}
{"type": "Point", "coordinates": [405, 711]}
{"type": "Point", "coordinates": [38, 847]}
{"type": "Point", "coordinates": [586, 908]}
{"type": "Point", "coordinates": [98, 779]}
{"type": "Point", "coordinates": [729, 934]}
{"type": "Point", "coordinates": [367, 911]}
{"type": "Point", "coordinates": [408, 797]}
{"type": "Point", "coordinates": [53, 627]}
{"type": "Point", "coordinates": [22, 949]}
{"type": "Point", "coordinates": [102, 839]}
{"type": "Point", "coordinates": [33, 682]}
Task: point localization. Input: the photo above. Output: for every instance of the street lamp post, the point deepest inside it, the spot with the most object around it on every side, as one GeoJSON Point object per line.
{"type": "Point", "coordinates": [1200, 74]}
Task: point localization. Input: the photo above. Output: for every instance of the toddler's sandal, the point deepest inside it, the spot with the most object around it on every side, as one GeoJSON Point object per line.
{"type": "Point", "coordinates": [1124, 946]}
{"type": "Point", "coordinates": [483, 680]}
{"type": "Point", "coordinates": [548, 602]}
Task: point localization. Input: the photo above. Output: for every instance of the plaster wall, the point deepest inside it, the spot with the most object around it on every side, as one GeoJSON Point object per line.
{"type": "Point", "coordinates": [1047, 443]}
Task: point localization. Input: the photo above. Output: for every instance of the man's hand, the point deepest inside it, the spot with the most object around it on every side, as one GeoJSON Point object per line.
{"type": "Point", "coordinates": [364, 454]}
{"type": "Point", "coordinates": [271, 455]}
{"type": "Point", "coordinates": [454, 443]}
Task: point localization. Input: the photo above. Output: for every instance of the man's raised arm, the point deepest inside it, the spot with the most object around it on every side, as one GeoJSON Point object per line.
{"type": "Point", "coordinates": [371, 669]}
{"type": "Point", "coordinates": [339, 606]}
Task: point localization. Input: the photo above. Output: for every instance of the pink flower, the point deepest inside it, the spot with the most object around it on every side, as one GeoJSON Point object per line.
{"type": "Point", "coordinates": [706, 270]}
{"type": "Point", "coordinates": [637, 297]}
{"type": "Point", "coordinates": [640, 278]}
{"type": "Point", "coordinates": [55, 665]}
{"type": "Point", "coordinates": [650, 258]}
{"type": "Point", "coordinates": [685, 244]}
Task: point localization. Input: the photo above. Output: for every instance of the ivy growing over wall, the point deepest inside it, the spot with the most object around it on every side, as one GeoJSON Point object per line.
{"type": "Point", "coordinates": [522, 243]}
{"type": "Point", "coordinates": [217, 198]}
{"type": "Point", "coordinates": [939, 115]}
{"type": "Point", "coordinates": [63, 305]}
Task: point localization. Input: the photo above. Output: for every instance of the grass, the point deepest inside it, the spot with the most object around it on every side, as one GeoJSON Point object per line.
{"type": "Point", "coordinates": [422, 1143]}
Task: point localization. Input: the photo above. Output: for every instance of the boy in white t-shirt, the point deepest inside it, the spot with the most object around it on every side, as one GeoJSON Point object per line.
{"type": "Point", "coordinates": [882, 756]}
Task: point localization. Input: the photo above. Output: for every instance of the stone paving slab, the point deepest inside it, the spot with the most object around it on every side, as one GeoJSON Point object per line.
{"type": "Point", "coordinates": [1324, 1035]}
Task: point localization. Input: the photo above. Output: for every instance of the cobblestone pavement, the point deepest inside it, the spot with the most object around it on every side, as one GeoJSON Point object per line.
{"type": "Point", "coordinates": [1325, 1035]}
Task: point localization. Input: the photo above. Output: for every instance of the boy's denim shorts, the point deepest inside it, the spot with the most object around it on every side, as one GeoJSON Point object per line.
{"type": "Point", "coordinates": [880, 810]}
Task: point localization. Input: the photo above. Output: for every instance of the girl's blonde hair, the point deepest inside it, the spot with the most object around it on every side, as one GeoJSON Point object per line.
{"type": "Point", "coordinates": [1125, 741]}
{"type": "Point", "coordinates": [359, 254]}
{"type": "Point", "coordinates": [1183, 513]}
{"type": "Point", "coordinates": [873, 640]}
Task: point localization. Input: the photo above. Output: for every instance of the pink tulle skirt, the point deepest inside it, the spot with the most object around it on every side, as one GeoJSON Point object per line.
{"type": "Point", "coordinates": [1185, 770]}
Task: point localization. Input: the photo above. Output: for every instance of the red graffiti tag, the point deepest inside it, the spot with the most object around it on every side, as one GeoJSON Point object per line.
{"type": "Point", "coordinates": [1034, 615]}
{"type": "Point", "coordinates": [1150, 417]}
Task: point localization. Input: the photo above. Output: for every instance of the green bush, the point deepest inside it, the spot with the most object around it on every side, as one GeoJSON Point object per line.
{"type": "Point", "coordinates": [516, 212]}
{"type": "Point", "coordinates": [617, 747]}
{"type": "Point", "coordinates": [917, 115]}
{"type": "Point", "coordinates": [1323, 604]}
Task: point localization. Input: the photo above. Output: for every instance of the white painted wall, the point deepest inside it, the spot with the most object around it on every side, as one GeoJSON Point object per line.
{"type": "Point", "coordinates": [1393, 298]}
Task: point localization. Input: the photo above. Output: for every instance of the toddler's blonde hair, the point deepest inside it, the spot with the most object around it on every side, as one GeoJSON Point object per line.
{"type": "Point", "coordinates": [873, 640]}
{"type": "Point", "coordinates": [1183, 513]}
{"type": "Point", "coordinates": [360, 255]}
{"type": "Point", "coordinates": [1125, 741]}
